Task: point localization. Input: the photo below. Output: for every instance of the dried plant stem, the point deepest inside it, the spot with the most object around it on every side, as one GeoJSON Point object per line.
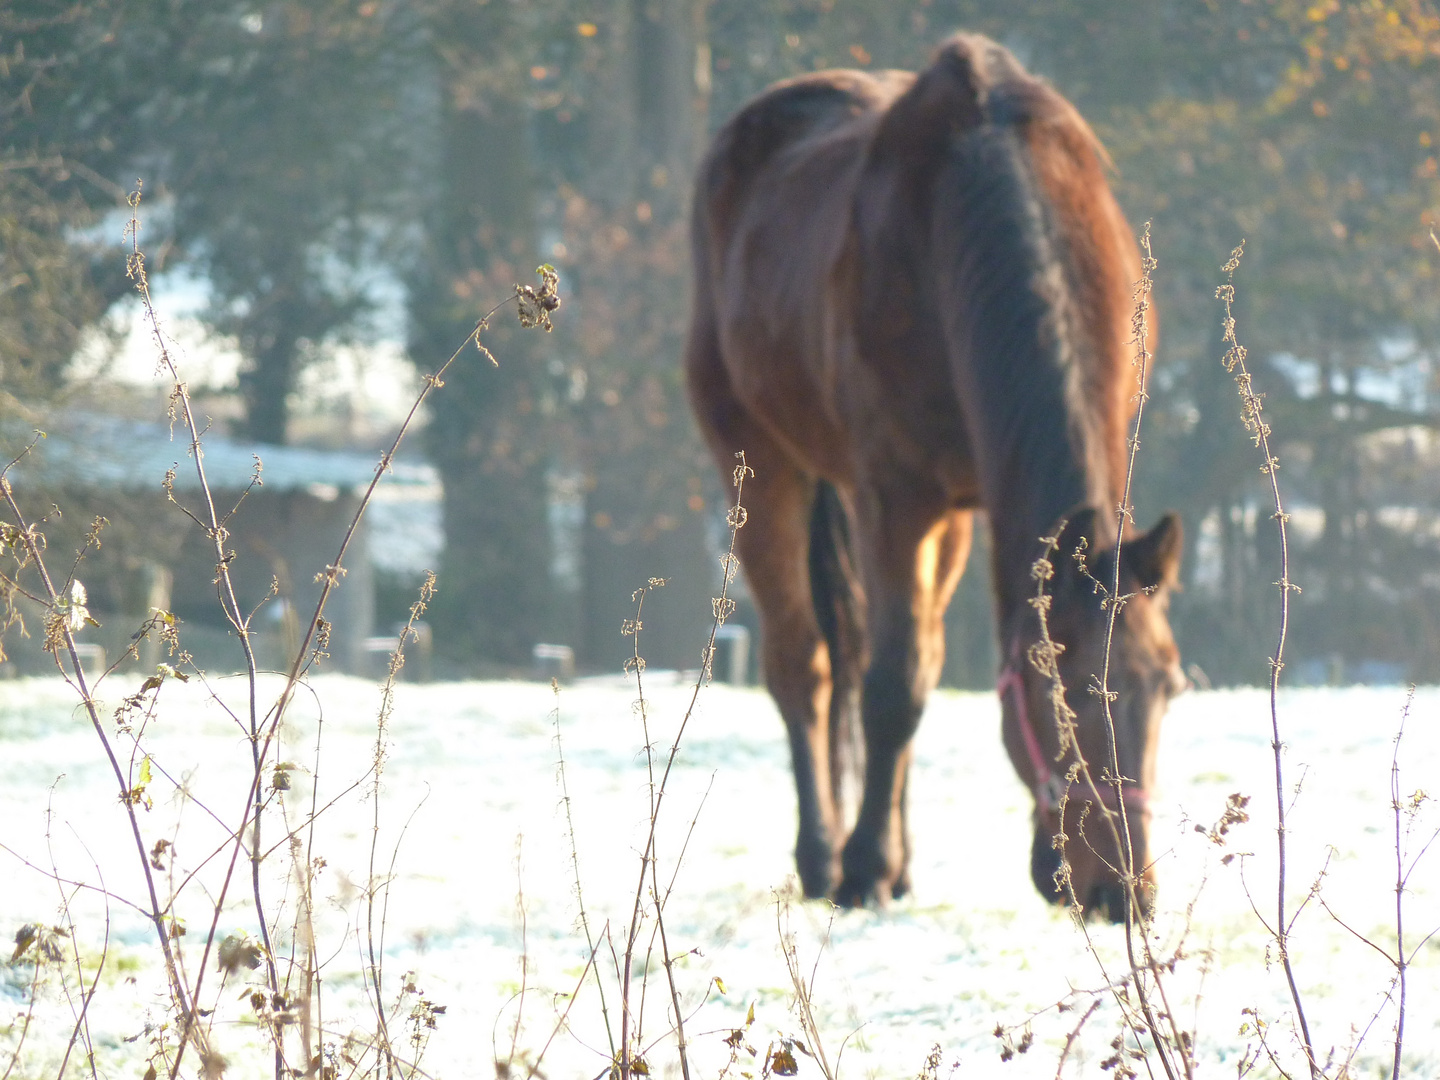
{"type": "Point", "coordinates": [81, 1030]}
{"type": "Point", "coordinates": [1115, 601]}
{"type": "Point", "coordinates": [375, 942]}
{"type": "Point", "coordinates": [636, 664]}
{"type": "Point", "coordinates": [261, 728]}
{"type": "Point", "coordinates": [668, 959]}
{"type": "Point", "coordinates": [590, 941]}
{"type": "Point", "coordinates": [375, 973]}
{"type": "Point", "coordinates": [1402, 965]}
{"type": "Point", "coordinates": [1046, 659]}
{"type": "Point", "coordinates": [215, 528]}
{"type": "Point", "coordinates": [1074, 1034]}
{"type": "Point", "coordinates": [565, 1015]}
{"type": "Point", "coordinates": [26, 1019]}
{"type": "Point", "coordinates": [721, 608]}
{"type": "Point", "coordinates": [314, 1014]}
{"type": "Point", "coordinates": [218, 534]}
{"type": "Point", "coordinates": [155, 913]}
{"type": "Point", "coordinates": [524, 948]}
{"type": "Point", "coordinates": [661, 900]}
{"type": "Point", "coordinates": [1251, 410]}
{"type": "Point", "coordinates": [804, 990]}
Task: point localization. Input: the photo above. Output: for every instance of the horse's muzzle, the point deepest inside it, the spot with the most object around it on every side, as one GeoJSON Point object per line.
{"type": "Point", "coordinates": [1104, 898]}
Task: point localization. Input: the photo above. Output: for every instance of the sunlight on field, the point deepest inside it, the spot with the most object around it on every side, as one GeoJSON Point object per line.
{"type": "Point", "coordinates": [472, 816]}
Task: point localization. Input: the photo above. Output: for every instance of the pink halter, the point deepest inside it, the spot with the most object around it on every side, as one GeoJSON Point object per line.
{"type": "Point", "coordinates": [1048, 787]}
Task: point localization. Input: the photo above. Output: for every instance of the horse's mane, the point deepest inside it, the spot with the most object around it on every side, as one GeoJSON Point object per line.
{"type": "Point", "coordinates": [974, 140]}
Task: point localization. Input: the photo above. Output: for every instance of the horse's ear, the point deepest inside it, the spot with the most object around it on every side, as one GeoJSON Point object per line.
{"type": "Point", "coordinates": [1154, 558]}
{"type": "Point", "coordinates": [944, 100]}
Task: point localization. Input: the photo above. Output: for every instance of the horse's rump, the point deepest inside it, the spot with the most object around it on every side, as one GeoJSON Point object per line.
{"type": "Point", "coordinates": [771, 217]}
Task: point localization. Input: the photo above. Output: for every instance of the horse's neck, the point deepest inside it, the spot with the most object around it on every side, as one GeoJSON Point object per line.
{"type": "Point", "coordinates": [1049, 464]}
{"type": "Point", "coordinates": [1030, 347]}
{"type": "Point", "coordinates": [1029, 353]}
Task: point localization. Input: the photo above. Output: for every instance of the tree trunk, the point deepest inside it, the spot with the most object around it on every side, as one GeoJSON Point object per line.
{"type": "Point", "coordinates": [495, 597]}
{"type": "Point", "coordinates": [645, 515]}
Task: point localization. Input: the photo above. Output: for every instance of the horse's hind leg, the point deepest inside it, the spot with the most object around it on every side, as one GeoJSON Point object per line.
{"type": "Point", "coordinates": [796, 661]}
{"type": "Point", "coordinates": [774, 548]}
{"type": "Point", "coordinates": [912, 562]}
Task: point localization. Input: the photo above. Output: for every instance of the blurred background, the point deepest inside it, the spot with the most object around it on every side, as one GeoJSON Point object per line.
{"type": "Point", "coordinates": [336, 190]}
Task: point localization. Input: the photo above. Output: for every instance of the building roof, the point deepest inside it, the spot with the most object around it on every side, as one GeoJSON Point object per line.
{"type": "Point", "coordinates": [93, 451]}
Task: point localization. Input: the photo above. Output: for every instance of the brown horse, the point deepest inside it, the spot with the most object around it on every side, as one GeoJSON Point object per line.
{"type": "Point", "coordinates": [913, 301]}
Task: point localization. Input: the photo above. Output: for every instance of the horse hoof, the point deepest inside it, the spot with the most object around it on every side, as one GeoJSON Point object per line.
{"type": "Point", "coordinates": [858, 894]}
{"type": "Point", "coordinates": [901, 886]}
{"type": "Point", "coordinates": [815, 865]}
{"type": "Point", "coordinates": [1107, 902]}
{"type": "Point", "coordinates": [815, 886]}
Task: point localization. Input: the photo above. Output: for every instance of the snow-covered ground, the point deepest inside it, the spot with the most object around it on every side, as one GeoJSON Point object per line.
{"type": "Point", "coordinates": [471, 780]}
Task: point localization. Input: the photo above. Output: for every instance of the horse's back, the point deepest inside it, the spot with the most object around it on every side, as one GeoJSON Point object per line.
{"type": "Point", "coordinates": [772, 212]}
{"type": "Point", "coordinates": [784, 117]}
{"type": "Point", "coordinates": [831, 212]}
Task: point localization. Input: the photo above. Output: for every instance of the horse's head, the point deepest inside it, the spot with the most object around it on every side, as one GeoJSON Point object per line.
{"type": "Point", "coordinates": [1144, 674]}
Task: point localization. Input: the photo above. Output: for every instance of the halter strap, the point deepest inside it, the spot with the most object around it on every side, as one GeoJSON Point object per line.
{"type": "Point", "coordinates": [1049, 788]}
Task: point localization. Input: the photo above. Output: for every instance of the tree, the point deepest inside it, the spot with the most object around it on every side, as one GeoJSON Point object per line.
{"type": "Point", "coordinates": [280, 135]}
{"type": "Point", "coordinates": [651, 496]}
{"type": "Point", "coordinates": [57, 149]}
{"type": "Point", "coordinates": [488, 434]}
{"type": "Point", "coordinates": [311, 150]}
{"type": "Point", "coordinates": [566, 140]}
{"type": "Point", "coordinates": [1314, 147]}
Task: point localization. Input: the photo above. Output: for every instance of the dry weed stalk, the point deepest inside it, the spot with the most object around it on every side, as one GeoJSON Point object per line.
{"type": "Point", "coordinates": [1170, 1045]}
{"type": "Point", "coordinates": [1044, 656]}
{"type": "Point", "coordinates": [280, 1005]}
{"type": "Point", "coordinates": [629, 1061]}
{"type": "Point", "coordinates": [591, 943]}
{"type": "Point", "coordinates": [804, 1002]}
{"type": "Point", "coordinates": [1251, 414]}
{"type": "Point", "coordinates": [1405, 812]}
{"type": "Point", "coordinates": [1166, 1039]}
{"type": "Point", "coordinates": [1114, 601]}
{"type": "Point", "coordinates": [630, 1052]}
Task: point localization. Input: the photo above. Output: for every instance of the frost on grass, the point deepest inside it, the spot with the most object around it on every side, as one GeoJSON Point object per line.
{"type": "Point", "coordinates": [974, 948]}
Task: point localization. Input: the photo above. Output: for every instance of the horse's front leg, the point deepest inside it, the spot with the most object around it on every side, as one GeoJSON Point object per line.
{"type": "Point", "coordinates": [911, 573]}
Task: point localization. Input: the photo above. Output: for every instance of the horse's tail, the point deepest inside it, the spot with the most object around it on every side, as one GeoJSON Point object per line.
{"type": "Point", "coordinates": [839, 609]}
